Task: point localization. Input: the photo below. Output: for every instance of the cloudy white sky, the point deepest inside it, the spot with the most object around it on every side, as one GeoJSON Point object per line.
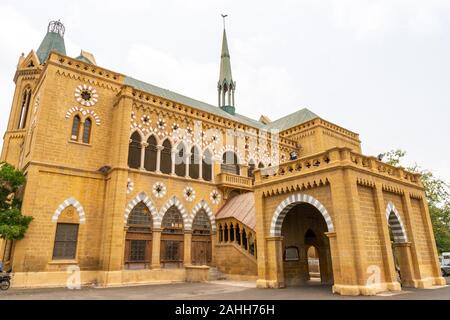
{"type": "Point", "coordinates": [379, 68]}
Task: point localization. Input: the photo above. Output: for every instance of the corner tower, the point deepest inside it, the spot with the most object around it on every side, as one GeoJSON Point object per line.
{"type": "Point", "coordinates": [226, 86]}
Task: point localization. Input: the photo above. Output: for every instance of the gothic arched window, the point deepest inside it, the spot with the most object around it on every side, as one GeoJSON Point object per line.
{"type": "Point", "coordinates": [201, 224]}
{"type": "Point", "coordinates": [75, 128]}
{"type": "Point", "coordinates": [251, 169]}
{"type": "Point", "coordinates": [166, 157]}
{"type": "Point", "coordinates": [138, 243]}
{"type": "Point", "coordinates": [134, 151]}
{"type": "Point", "coordinates": [24, 108]}
{"type": "Point", "coordinates": [180, 166]}
{"type": "Point", "coordinates": [194, 164]}
{"type": "Point", "coordinates": [230, 163]}
{"type": "Point", "coordinates": [151, 153]}
{"type": "Point", "coordinates": [207, 165]}
{"type": "Point", "coordinates": [87, 130]}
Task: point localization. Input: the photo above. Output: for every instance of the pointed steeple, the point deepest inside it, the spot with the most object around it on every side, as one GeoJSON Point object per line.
{"type": "Point", "coordinates": [226, 85]}
{"type": "Point", "coordinates": [53, 41]}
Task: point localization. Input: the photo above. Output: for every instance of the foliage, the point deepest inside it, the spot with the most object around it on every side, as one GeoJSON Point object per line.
{"type": "Point", "coordinates": [13, 224]}
{"type": "Point", "coordinates": [438, 196]}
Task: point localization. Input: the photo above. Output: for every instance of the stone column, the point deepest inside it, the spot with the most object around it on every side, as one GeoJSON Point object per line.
{"type": "Point", "coordinates": [275, 272]}
{"type": "Point", "coordinates": [409, 226]}
{"type": "Point", "coordinates": [187, 260]}
{"type": "Point", "coordinates": [187, 160]}
{"type": "Point", "coordinates": [261, 235]}
{"type": "Point", "coordinates": [406, 268]}
{"type": "Point", "coordinates": [158, 158]}
{"type": "Point", "coordinates": [173, 154]}
{"type": "Point", "coordinates": [200, 168]}
{"type": "Point", "coordinates": [156, 249]}
{"type": "Point", "coordinates": [213, 248]}
{"type": "Point", "coordinates": [437, 278]}
{"type": "Point", "coordinates": [143, 146]}
{"type": "Point", "coordinates": [386, 249]}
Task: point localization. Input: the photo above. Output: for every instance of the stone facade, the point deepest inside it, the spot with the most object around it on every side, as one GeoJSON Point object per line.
{"type": "Point", "coordinates": [95, 145]}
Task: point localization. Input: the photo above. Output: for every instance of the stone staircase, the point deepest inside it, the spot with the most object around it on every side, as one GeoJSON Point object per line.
{"type": "Point", "coordinates": [214, 274]}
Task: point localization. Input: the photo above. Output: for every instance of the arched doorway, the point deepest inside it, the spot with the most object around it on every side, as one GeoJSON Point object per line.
{"type": "Point", "coordinates": [400, 247]}
{"type": "Point", "coordinates": [230, 163]}
{"type": "Point", "coordinates": [172, 238]}
{"type": "Point", "coordinates": [201, 239]}
{"type": "Point", "coordinates": [313, 263]}
{"type": "Point", "coordinates": [138, 239]}
{"type": "Point", "coordinates": [303, 227]}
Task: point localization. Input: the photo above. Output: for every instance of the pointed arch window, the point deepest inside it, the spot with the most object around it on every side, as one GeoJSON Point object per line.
{"type": "Point", "coordinates": [138, 244]}
{"type": "Point", "coordinates": [194, 164]}
{"type": "Point", "coordinates": [251, 169]}
{"type": "Point", "coordinates": [134, 151]}
{"type": "Point", "coordinates": [180, 166]}
{"type": "Point", "coordinates": [87, 130]}
{"type": "Point", "coordinates": [230, 163]}
{"type": "Point", "coordinates": [24, 108]}
{"type": "Point", "coordinates": [207, 165]}
{"type": "Point", "coordinates": [201, 224]}
{"type": "Point", "coordinates": [75, 128]}
{"type": "Point", "coordinates": [151, 152]}
{"type": "Point", "coordinates": [166, 157]}
{"type": "Point", "coordinates": [172, 249]}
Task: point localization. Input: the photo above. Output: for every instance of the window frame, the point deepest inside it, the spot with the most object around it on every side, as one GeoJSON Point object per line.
{"type": "Point", "coordinates": [75, 249]}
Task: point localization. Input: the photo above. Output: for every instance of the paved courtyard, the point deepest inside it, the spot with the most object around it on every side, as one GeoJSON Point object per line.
{"type": "Point", "coordinates": [216, 290]}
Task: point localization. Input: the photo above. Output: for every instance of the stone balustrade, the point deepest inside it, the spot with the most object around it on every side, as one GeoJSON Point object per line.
{"type": "Point", "coordinates": [333, 158]}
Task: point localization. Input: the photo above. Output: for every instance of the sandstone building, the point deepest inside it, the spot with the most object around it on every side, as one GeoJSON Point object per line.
{"type": "Point", "coordinates": [133, 183]}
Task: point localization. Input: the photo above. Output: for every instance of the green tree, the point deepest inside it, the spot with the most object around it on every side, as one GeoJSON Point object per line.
{"type": "Point", "coordinates": [13, 224]}
{"type": "Point", "coordinates": [437, 193]}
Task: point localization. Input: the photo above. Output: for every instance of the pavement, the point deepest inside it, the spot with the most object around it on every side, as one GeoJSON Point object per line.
{"type": "Point", "coordinates": [215, 290]}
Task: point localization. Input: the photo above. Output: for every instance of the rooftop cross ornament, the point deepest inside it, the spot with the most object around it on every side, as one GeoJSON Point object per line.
{"type": "Point", "coordinates": [223, 17]}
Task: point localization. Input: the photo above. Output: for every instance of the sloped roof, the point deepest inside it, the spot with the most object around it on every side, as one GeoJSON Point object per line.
{"type": "Point", "coordinates": [292, 120]}
{"type": "Point", "coordinates": [52, 42]}
{"type": "Point", "coordinates": [242, 208]}
{"type": "Point", "coordinates": [170, 95]}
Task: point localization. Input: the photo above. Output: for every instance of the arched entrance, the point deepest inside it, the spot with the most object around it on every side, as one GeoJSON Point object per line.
{"type": "Point", "coordinates": [172, 238]}
{"type": "Point", "coordinates": [303, 227]}
{"type": "Point", "coordinates": [201, 239]}
{"type": "Point", "coordinates": [400, 247]}
{"type": "Point", "coordinates": [138, 239]}
{"type": "Point", "coordinates": [302, 222]}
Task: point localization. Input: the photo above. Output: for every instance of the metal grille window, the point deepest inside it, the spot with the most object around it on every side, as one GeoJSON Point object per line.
{"type": "Point", "coordinates": [172, 221]}
{"type": "Point", "coordinates": [140, 218]}
{"type": "Point", "coordinates": [172, 251]}
{"type": "Point", "coordinates": [137, 250]}
{"type": "Point", "coordinates": [65, 241]}
{"type": "Point", "coordinates": [201, 224]}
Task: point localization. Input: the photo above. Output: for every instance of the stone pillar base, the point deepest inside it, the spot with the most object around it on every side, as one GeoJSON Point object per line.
{"type": "Point", "coordinates": [349, 290]}
{"type": "Point", "coordinates": [430, 282]}
{"type": "Point", "coordinates": [262, 283]}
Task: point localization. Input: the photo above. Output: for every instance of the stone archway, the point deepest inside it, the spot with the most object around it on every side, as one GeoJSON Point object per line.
{"type": "Point", "coordinates": [284, 207]}
{"type": "Point", "coordinates": [401, 248]}
{"type": "Point", "coordinates": [304, 226]}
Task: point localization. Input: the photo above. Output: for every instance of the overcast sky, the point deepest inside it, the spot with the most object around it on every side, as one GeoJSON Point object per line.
{"type": "Point", "coordinates": [379, 68]}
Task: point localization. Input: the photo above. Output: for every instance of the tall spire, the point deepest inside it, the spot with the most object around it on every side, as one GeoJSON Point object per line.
{"type": "Point", "coordinates": [226, 85]}
{"type": "Point", "coordinates": [53, 41]}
